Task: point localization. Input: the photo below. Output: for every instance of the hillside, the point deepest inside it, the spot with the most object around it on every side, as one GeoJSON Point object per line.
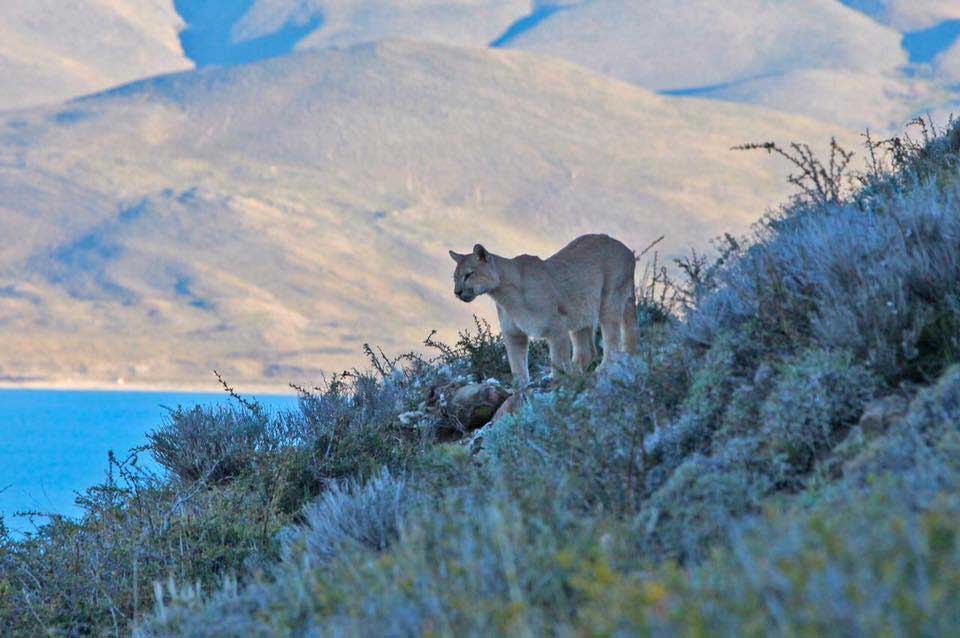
{"type": "Point", "coordinates": [52, 50]}
{"type": "Point", "coordinates": [693, 43]}
{"type": "Point", "coordinates": [948, 64]}
{"type": "Point", "coordinates": [809, 58]}
{"type": "Point", "coordinates": [160, 215]}
{"type": "Point", "coordinates": [753, 51]}
{"type": "Point", "coordinates": [780, 457]}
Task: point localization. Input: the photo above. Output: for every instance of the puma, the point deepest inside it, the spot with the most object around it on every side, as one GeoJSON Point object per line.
{"type": "Point", "coordinates": [561, 299]}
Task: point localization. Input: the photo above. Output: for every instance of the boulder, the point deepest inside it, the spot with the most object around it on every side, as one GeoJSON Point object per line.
{"type": "Point", "coordinates": [510, 406]}
{"type": "Point", "coordinates": [476, 404]}
{"type": "Point", "coordinates": [453, 409]}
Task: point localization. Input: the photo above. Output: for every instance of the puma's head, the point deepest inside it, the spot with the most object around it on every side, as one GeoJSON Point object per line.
{"type": "Point", "coordinates": [475, 274]}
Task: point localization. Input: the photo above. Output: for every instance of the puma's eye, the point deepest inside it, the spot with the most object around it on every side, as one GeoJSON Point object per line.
{"type": "Point", "coordinates": [467, 276]}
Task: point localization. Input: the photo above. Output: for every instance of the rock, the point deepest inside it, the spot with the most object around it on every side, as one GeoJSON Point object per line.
{"type": "Point", "coordinates": [474, 405]}
{"type": "Point", "coordinates": [510, 406]}
{"type": "Point", "coordinates": [462, 408]}
{"type": "Point", "coordinates": [880, 414]}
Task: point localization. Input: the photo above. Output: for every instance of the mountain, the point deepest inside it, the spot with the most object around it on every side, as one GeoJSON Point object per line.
{"type": "Point", "coordinates": [810, 57]}
{"type": "Point", "coordinates": [52, 50]}
{"type": "Point", "coordinates": [852, 99]}
{"type": "Point", "coordinates": [268, 219]}
{"type": "Point", "coordinates": [694, 43]}
{"type": "Point", "coordinates": [814, 58]}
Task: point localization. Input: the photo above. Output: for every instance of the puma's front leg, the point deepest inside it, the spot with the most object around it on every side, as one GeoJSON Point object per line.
{"type": "Point", "coordinates": [584, 348]}
{"type": "Point", "coordinates": [517, 344]}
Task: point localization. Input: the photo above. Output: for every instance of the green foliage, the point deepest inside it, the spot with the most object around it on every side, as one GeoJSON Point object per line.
{"type": "Point", "coordinates": [923, 448]}
{"type": "Point", "coordinates": [348, 515]}
{"type": "Point", "coordinates": [701, 498]}
{"type": "Point", "coordinates": [874, 272]}
{"type": "Point", "coordinates": [93, 575]}
{"type": "Point", "coordinates": [236, 478]}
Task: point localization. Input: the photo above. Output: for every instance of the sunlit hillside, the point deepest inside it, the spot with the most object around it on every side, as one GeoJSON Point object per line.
{"type": "Point", "coordinates": [51, 50]}
{"type": "Point", "coordinates": [267, 219]}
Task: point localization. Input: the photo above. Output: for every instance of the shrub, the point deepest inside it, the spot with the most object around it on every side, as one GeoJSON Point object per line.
{"type": "Point", "coordinates": [94, 575]}
{"type": "Point", "coordinates": [716, 376]}
{"type": "Point", "coordinates": [237, 477]}
{"type": "Point", "coordinates": [863, 567]}
{"type": "Point", "coordinates": [922, 449]}
{"type": "Point", "coordinates": [351, 429]}
{"type": "Point", "coordinates": [348, 514]}
{"type": "Point", "coordinates": [817, 396]}
{"type": "Point", "coordinates": [482, 355]}
{"type": "Point", "coordinates": [701, 499]}
{"type": "Point", "coordinates": [875, 275]}
{"type": "Point", "coordinates": [213, 444]}
{"type": "Point", "coordinates": [585, 450]}
{"type": "Point", "coordinates": [469, 565]}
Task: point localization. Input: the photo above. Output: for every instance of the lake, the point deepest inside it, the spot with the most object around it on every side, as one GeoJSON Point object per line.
{"type": "Point", "coordinates": [54, 443]}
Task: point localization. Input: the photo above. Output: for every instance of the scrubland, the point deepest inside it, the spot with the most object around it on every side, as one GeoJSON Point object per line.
{"type": "Point", "coordinates": [782, 457]}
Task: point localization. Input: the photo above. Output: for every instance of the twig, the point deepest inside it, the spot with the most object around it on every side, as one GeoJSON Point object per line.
{"type": "Point", "coordinates": [649, 248]}
{"type": "Point", "coordinates": [254, 407]}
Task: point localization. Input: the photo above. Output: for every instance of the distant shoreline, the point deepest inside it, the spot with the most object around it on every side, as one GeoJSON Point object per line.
{"type": "Point", "coordinates": [101, 386]}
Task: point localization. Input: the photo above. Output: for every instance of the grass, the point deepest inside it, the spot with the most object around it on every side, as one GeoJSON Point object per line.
{"type": "Point", "coordinates": [718, 483]}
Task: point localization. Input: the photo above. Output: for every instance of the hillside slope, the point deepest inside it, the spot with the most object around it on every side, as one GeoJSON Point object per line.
{"type": "Point", "coordinates": [693, 43]}
{"type": "Point", "coordinates": [52, 50]}
{"type": "Point", "coordinates": [171, 207]}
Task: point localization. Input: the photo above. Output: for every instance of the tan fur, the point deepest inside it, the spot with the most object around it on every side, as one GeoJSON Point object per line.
{"type": "Point", "coordinates": [561, 299]}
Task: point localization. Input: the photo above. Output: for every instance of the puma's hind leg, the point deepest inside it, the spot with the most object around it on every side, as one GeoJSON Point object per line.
{"type": "Point", "coordinates": [617, 338]}
{"type": "Point", "coordinates": [629, 328]}
{"type": "Point", "coordinates": [584, 348]}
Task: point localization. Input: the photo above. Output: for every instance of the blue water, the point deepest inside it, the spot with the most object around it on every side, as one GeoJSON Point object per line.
{"type": "Point", "coordinates": [207, 38]}
{"type": "Point", "coordinates": [524, 24]}
{"type": "Point", "coordinates": [54, 444]}
{"type": "Point", "coordinates": [923, 46]}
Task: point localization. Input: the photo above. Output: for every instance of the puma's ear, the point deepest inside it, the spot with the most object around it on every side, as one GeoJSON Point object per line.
{"type": "Point", "coordinates": [457, 257]}
{"type": "Point", "coordinates": [480, 252]}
